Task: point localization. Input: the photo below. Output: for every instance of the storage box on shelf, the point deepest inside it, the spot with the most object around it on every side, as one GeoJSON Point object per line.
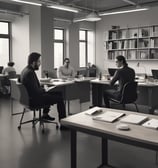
{"type": "Point", "coordinates": [137, 43]}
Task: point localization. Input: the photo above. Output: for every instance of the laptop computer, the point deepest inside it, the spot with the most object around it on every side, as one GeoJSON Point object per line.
{"type": "Point", "coordinates": [155, 73]}
{"type": "Point", "coordinates": [112, 71]}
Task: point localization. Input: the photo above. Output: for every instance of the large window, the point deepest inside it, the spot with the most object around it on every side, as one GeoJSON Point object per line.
{"type": "Point", "coordinates": [4, 43]}
{"type": "Point", "coordinates": [86, 48]}
{"type": "Point", "coordinates": [58, 47]}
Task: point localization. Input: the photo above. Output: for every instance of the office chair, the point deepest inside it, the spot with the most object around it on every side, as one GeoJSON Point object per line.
{"type": "Point", "coordinates": [1, 69]}
{"type": "Point", "coordinates": [24, 100]}
{"type": "Point", "coordinates": [128, 96]}
{"type": "Point", "coordinates": [14, 95]}
{"type": "Point", "coordinates": [53, 73]}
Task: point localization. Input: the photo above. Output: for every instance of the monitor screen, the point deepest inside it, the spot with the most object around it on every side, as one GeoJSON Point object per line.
{"type": "Point", "coordinates": [112, 71]}
{"type": "Point", "coordinates": [155, 73]}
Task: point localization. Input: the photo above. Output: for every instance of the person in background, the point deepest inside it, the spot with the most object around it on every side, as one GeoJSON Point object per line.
{"type": "Point", "coordinates": [9, 68]}
{"type": "Point", "coordinates": [123, 75]}
{"type": "Point", "coordinates": [66, 71]}
{"type": "Point", "coordinates": [37, 94]}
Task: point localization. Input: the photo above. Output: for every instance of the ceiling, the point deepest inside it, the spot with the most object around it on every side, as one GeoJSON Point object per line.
{"type": "Point", "coordinates": [87, 5]}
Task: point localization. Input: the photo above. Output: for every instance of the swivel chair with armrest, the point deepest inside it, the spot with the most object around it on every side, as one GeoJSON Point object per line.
{"type": "Point", "coordinates": [25, 101]}
{"type": "Point", "coordinates": [128, 96]}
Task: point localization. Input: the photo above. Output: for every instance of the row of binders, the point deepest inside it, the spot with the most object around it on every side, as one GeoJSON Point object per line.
{"type": "Point", "coordinates": [111, 116]}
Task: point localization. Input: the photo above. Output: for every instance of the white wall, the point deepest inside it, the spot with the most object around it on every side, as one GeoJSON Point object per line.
{"type": "Point", "coordinates": [123, 20]}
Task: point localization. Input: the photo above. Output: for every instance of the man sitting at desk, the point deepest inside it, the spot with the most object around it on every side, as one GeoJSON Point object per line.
{"type": "Point", "coordinates": [66, 71]}
{"type": "Point", "coordinates": [123, 75]}
{"type": "Point", "coordinates": [37, 94]}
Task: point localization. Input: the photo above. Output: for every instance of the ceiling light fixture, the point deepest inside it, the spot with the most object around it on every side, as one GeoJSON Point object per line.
{"type": "Point", "coordinates": [27, 2]}
{"type": "Point", "coordinates": [62, 7]}
{"type": "Point", "coordinates": [124, 11]}
{"type": "Point", "coordinates": [93, 17]}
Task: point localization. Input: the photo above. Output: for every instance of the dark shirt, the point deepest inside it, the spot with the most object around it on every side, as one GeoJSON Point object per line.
{"type": "Point", "coordinates": [29, 79]}
{"type": "Point", "coordinates": [123, 75]}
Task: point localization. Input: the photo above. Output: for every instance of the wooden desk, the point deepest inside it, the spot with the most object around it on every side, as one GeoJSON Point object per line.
{"type": "Point", "coordinates": [72, 89]}
{"type": "Point", "coordinates": [137, 135]}
{"type": "Point", "coordinates": [147, 93]}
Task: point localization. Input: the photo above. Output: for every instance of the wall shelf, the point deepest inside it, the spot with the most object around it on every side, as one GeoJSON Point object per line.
{"type": "Point", "coordinates": [135, 43]}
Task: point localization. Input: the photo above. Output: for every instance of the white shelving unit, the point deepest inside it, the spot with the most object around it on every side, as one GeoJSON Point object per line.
{"type": "Point", "coordinates": [136, 43]}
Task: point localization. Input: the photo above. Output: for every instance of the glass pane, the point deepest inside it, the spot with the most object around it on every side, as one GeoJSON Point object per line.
{"type": "Point", "coordinates": [82, 35]}
{"type": "Point", "coordinates": [82, 52]}
{"type": "Point", "coordinates": [4, 51]}
{"type": "Point", "coordinates": [91, 48]}
{"type": "Point", "coordinates": [58, 34]}
{"type": "Point", "coordinates": [4, 28]}
{"type": "Point", "coordinates": [58, 54]}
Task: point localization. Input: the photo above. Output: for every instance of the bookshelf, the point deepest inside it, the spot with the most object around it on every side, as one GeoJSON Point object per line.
{"type": "Point", "coordinates": [135, 43]}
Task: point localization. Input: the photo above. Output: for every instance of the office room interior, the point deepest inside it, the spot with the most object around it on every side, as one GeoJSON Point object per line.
{"type": "Point", "coordinates": [32, 31]}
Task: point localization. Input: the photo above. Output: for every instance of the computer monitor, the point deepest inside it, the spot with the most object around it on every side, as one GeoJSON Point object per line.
{"type": "Point", "coordinates": [112, 71]}
{"type": "Point", "coordinates": [155, 73]}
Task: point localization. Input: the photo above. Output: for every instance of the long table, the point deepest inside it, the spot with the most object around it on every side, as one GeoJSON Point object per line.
{"type": "Point", "coordinates": [147, 93]}
{"type": "Point", "coordinates": [137, 135]}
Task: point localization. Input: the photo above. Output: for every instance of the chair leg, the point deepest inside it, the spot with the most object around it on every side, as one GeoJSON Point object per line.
{"type": "Point", "coordinates": [41, 121]}
{"type": "Point", "coordinates": [19, 127]}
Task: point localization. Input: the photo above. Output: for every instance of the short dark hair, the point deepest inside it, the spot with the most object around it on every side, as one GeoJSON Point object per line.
{"type": "Point", "coordinates": [122, 58]}
{"type": "Point", "coordinates": [66, 59]}
{"type": "Point", "coordinates": [33, 57]}
{"type": "Point", "coordinates": [11, 63]}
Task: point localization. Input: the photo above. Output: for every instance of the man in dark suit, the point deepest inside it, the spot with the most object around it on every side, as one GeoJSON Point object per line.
{"type": "Point", "coordinates": [123, 75]}
{"type": "Point", "coordinates": [37, 94]}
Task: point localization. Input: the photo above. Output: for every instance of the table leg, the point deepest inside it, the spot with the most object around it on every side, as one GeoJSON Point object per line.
{"type": "Point", "coordinates": [104, 150]}
{"type": "Point", "coordinates": [73, 149]}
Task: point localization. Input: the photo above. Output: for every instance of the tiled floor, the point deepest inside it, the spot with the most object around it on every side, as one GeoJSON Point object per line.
{"type": "Point", "coordinates": [29, 148]}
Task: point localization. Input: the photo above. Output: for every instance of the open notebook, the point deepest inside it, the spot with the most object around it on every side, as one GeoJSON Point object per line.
{"type": "Point", "coordinates": [134, 119]}
{"type": "Point", "coordinates": [108, 116]}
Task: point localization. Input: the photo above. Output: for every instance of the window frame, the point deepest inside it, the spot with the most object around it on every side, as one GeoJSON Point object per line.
{"type": "Point", "coordinates": [86, 46]}
{"type": "Point", "coordinates": [7, 36]}
{"type": "Point", "coordinates": [59, 41]}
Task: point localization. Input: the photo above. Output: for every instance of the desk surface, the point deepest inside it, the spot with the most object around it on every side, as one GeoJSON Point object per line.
{"type": "Point", "coordinates": [140, 82]}
{"type": "Point", "coordinates": [137, 133]}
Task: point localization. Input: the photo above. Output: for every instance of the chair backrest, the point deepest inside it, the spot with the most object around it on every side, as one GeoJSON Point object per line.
{"type": "Point", "coordinates": [92, 72]}
{"type": "Point", "coordinates": [1, 69]}
{"type": "Point", "coordinates": [53, 73]}
{"type": "Point", "coordinates": [129, 93]}
{"type": "Point", "coordinates": [14, 91]}
{"type": "Point", "coordinates": [24, 97]}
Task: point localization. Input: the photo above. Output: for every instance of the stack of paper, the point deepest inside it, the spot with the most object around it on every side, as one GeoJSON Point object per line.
{"type": "Point", "coordinates": [134, 119]}
{"type": "Point", "coordinates": [93, 111]}
{"type": "Point", "coordinates": [152, 123]}
{"type": "Point", "coordinates": [108, 116]}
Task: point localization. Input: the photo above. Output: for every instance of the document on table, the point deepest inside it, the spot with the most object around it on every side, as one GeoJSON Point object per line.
{"type": "Point", "coordinates": [108, 116]}
{"type": "Point", "coordinates": [152, 123]}
{"type": "Point", "coordinates": [93, 111]}
{"type": "Point", "coordinates": [134, 119]}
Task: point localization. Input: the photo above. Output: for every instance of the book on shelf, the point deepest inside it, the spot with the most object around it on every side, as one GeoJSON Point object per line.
{"type": "Point", "coordinates": [108, 116]}
{"type": "Point", "coordinates": [93, 111]}
{"type": "Point", "coordinates": [134, 119]}
{"type": "Point", "coordinates": [152, 123]}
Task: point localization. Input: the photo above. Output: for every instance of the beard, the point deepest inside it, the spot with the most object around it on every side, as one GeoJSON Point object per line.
{"type": "Point", "coordinates": [36, 67]}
